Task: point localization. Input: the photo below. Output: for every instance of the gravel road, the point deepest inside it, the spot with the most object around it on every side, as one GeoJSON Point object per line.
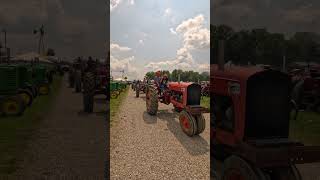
{"type": "Point", "coordinates": [154, 147]}
{"type": "Point", "coordinates": [69, 143]}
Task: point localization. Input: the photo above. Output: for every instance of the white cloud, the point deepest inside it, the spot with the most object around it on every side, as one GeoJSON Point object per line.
{"type": "Point", "coordinates": [172, 31]}
{"type": "Point", "coordinates": [131, 2]}
{"type": "Point", "coordinates": [141, 41]}
{"type": "Point", "coordinates": [195, 37]}
{"type": "Point", "coordinates": [114, 4]}
{"type": "Point", "coordinates": [120, 62]}
{"type": "Point", "coordinates": [116, 48]}
{"type": "Point", "coordinates": [167, 12]}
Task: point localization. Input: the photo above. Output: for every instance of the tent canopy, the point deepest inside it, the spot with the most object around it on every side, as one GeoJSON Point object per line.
{"type": "Point", "coordinates": [31, 56]}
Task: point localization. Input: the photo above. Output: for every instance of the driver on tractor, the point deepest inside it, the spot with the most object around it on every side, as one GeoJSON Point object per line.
{"type": "Point", "coordinates": [163, 82]}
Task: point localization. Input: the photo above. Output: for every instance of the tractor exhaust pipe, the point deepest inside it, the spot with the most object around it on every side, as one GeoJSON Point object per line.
{"type": "Point", "coordinates": [221, 55]}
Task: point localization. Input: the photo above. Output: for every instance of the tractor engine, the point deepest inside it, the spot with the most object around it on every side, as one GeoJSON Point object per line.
{"type": "Point", "coordinates": [184, 94]}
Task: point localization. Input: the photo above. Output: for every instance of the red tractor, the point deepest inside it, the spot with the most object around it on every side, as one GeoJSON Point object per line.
{"type": "Point", "coordinates": [250, 125]}
{"type": "Point", "coordinates": [185, 98]}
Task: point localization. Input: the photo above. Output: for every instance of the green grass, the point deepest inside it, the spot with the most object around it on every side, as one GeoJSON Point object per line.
{"type": "Point", "coordinates": [306, 128]}
{"type": "Point", "coordinates": [205, 102]}
{"type": "Point", "coordinates": [15, 132]}
{"type": "Point", "coordinates": [115, 104]}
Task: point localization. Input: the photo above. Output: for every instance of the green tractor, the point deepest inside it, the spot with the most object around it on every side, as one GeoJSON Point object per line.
{"type": "Point", "coordinates": [40, 78]}
{"type": "Point", "coordinates": [27, 88]}
{"type": "Point", "coordinates": [114, 90]}
{"type": "Point", "coordinates": [12, 102]}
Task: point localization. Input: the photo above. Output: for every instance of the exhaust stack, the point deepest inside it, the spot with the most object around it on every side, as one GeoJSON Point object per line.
{"type": "Point", "coordinates": [221, 55]}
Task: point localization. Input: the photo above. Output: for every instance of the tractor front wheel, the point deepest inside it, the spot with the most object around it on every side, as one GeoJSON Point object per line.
{"type": "Point", "coordinates": [152, 100]}
{"type": "Point", "coordinates": [26, 96]}
{"type": "Point", "coordinates": [201, 123]}
{"type": "Point", "coordinates": [13, 106]}
{"type": "Point", "coordinates": [188, 123]}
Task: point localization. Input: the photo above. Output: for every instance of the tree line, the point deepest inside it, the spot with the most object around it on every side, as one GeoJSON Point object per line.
{"type": "Point", "coordinates": [258, 46]}
{"type": "Point", "coordinates": [186, 76]}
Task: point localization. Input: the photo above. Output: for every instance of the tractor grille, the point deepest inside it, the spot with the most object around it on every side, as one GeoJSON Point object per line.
{"type": "Point", "coordinates": [194, 94]}
{"type": "Point", "coordinates": [8, 79]}
{"type": "Point", "coordinates": [267, 109]}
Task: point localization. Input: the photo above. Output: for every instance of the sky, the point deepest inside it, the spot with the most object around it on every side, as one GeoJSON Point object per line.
{"type": "Point", "coordinates": [150, 35]}
{"type": "Point", "coordinates": [285, 16]}
{"type": "Point", "coordinates": [73, 28]}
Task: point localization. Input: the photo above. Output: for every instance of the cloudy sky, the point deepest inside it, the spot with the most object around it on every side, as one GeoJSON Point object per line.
{"type": "Point", "coordinates": [159, 35]}
{"type": "Point", "coordinates": [285, 16]}
{"type": "Point", "coordinates": [74, 27]}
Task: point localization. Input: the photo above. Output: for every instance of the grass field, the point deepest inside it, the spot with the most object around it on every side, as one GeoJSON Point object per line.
{"type": "Point", "coordinates": [205, 102]}
{"type": "Point", "coordinates": [115, 104]}
{"type": "Point", "coordinates": [16, 131]}
{"type": "Point", "coordinates": [306, 128]}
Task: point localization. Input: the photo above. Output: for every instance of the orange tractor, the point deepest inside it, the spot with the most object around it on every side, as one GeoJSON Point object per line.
{"type": "Point", "coordinates": [250, 125]}
{"type": "Point", "coordinates": [185, 98]}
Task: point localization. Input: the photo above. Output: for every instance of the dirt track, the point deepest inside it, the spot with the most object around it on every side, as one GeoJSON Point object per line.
{"type": "Point", "coordinates": [154, 147]}
{"type": "Point", "coordinates": [69, 143]}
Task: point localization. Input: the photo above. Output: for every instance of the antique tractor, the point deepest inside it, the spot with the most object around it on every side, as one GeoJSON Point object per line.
{"type": "Point", "coordinates": [250, 118]}
{"type": "Point", "coordinates": [27, 88]}
{"type": "Point", "coordinates": [95, 81]}
{"type": "Point", "coordinates": [114, 90]}
{"type": "Point", "coordinates": [140, 86]}
{"type": "Point", "coordinates": [185, 98]}
{"type": "Point", "coordinates": [40, 79]}
{"type": "Point", "coordinates": [12, 98]}
{"type": "Point", "coordinates": [306, 89]}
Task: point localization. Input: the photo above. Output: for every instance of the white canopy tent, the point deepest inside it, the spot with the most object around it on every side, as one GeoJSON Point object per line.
{"type": "Point", "coordinates": [31, 56]}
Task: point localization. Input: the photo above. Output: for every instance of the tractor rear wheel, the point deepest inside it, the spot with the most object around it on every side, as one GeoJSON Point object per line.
{"type": "Point", "coordinates": [26, 96]}
{"type": "Point", "coordinates": [114, 95]}
{"type": "Point", "coordinates": [235, 167]}
{"type": "Point", "coordinates": [152, 100]}
{"type": "Point", "coordinates": [88, 92]}
{"type": "Point", "coordinates": [188, 123]}
{"type": "Point", "coordinates": [44, 89]}
{"type": "Point", "coordinates": [201, 123]}
{"type": "Point", "coordinates": [137, 92]}
{"type": "Point", "coordinates": [12, 106]}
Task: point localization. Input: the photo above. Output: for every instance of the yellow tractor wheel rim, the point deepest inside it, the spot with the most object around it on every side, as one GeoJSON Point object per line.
{"type": "Point", "coordinates": [113, 95]}
{"type": "Point", "coordinates": [10, 107]}
{"type": "Point", "coordinates": [25, 97]}
{"type": "Point", "coordinates": [44, 90]}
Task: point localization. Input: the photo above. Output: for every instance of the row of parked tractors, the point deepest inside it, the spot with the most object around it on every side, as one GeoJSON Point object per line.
{"type": "Point", "coordinates": [88, 77]}
{"type": "Point", "coordinates": [21, 83]}
{"type": "Point", "coordinates": [116, 88]}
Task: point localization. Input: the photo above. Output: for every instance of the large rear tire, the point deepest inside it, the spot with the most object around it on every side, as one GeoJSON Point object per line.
{"type": "Point", "coordinates": [88, 92]}
{"type": "Point", "coordinates": [12, 106]}
{"type": "Point", "coordinates": [188, 123]}
{"type": "Point", "coordinates": [152, 100]}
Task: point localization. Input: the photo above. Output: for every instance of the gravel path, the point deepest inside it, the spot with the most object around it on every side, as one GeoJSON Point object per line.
{"type": "Point", "coordinates": [149, 147]}
{"type": "Point", "coordinates": [69, 143]}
